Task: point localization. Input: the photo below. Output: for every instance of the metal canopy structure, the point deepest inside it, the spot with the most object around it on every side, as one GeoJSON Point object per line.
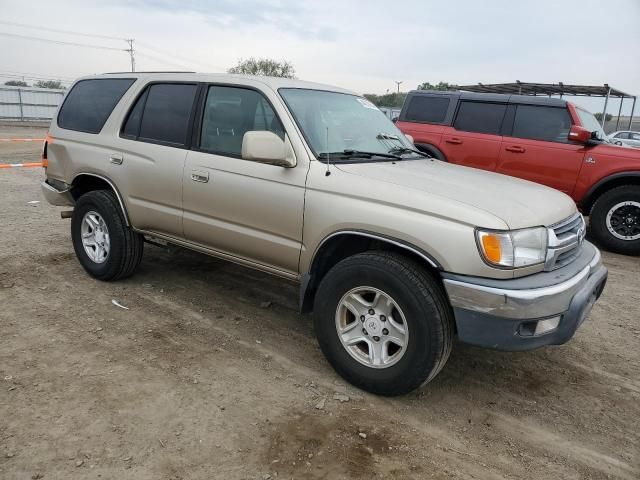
{"type": "Point", "coordinates": [560, 89]}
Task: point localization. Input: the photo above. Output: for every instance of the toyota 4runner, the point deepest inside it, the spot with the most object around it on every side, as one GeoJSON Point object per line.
{"type": "Point", "coordinates": [395, 252]}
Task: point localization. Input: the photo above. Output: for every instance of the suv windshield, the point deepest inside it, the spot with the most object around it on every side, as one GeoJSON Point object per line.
{"type": "Point", "coordinates": [590, 122]}
{"type": "Point", "coordinates": [345, 126]}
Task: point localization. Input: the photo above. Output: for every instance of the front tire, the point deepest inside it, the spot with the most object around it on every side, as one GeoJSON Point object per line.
{"type": "Point", "coordinates": [615, 220]}
{"type": "Point", "coordinates": [106, 248]}
{"type": "Point", "coordinates": [383, 322]}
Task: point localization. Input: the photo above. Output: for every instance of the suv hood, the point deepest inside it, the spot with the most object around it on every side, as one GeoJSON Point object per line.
{"type": "Point", "coordinates": [518, 203]}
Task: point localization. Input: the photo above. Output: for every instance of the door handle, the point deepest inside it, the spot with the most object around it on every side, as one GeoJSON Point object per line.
{"type": "Point", "coordinates": [116, 158]}
{"type": "Point", "coordinates": [454, 140]}
{"type": "Point", "coordinates": [200, 177]}
{"type": "Point", "coordinates": [515, 149]}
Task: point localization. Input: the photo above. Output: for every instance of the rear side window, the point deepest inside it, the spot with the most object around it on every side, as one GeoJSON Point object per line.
{"type": "Point", "coordinates": [480, 117]}
{"type": "Point", "coordinates": [542, 123]}
{"type": "Point", "coordinates": [162, 114]}
{"type": "Point", "coordinates": [426, 108]}
{"type": "Point", "coordinates": [167, 113]}
{"type": "Point", "coordinates": [90, 102]}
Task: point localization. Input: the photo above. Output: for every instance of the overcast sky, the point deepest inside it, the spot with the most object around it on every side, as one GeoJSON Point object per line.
{"type": "Point", "coordinates": [361, 45]}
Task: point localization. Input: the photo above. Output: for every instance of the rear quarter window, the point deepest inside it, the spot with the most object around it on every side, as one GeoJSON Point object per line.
{"type": "Point", "coordinates": [90, 102]}
{"type": "Point", "coordinates": [427, 109]}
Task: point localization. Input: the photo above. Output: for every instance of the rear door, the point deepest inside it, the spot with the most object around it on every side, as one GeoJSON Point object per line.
{"type": "Point", "coordinates": [153, 146]}
{"type": "Point", "coordinates": [537, 147]}
{"type": "Point", "coordinates": [475, 137]}
{"type": "Point", "coordinates": [241, 208]}
{"type": "Point", "coordinates": [425, 116]}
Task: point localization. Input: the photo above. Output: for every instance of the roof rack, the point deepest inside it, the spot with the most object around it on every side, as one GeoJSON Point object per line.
{"type": "Point", "coordinates": [535, 89]}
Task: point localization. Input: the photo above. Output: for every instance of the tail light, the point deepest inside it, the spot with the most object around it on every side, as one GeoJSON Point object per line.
{"type": "Point", "coordinates": [43, 157]}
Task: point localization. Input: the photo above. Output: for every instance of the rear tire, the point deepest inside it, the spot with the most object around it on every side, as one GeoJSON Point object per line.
{"type": "Point", "coordinates": [106, 248]}
{"type": "Point", "coordinates": [418, 307]}
{"type": "Point", "coordinates": [615, 220]}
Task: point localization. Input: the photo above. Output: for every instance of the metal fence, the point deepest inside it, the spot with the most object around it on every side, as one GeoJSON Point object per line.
{"type": "Point", "coordinates": [28, 103]}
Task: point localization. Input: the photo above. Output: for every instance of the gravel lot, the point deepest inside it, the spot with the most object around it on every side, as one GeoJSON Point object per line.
{"type": "Point", "coordinates": [212, 373]}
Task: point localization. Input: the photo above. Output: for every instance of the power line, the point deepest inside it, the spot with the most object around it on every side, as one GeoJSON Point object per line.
{"type": "Point", "coordinates": [178, 60]}
{"type": "Point", "coordinates": [35, 27]}
{"type": "Point", "coordinates": [60, 42]}
{"type": "Point", "coordinates": [174, 56]}
{"type": "Point", "coordinates": [157, 59]}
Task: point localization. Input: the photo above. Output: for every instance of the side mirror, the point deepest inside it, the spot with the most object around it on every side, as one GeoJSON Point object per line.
{"type": "Point", "coordinates": [580, 134]}
{"type": "Point", "coordinates": [409, 137]}
{"type": "Point", "coordinates": [394, 119]}
{"type": "Point", "coordinates": [266, 147]}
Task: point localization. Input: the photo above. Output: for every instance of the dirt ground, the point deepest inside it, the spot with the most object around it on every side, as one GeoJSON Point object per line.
{"type": "Point", "coordinates": [212, 373]}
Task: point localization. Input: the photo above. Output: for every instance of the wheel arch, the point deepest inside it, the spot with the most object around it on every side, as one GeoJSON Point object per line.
{"type": "Point", "coordinates": [344, 243]}
{"type": "Point", "coordinates": [431, 150]}
{"type": "Point", "coordinates": [605, 184]}
{"type": "Point", "coordinates": [86, 182]}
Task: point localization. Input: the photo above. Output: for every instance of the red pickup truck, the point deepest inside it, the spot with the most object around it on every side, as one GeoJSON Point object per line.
{"type": "Point", "coordinates": [545, 140]}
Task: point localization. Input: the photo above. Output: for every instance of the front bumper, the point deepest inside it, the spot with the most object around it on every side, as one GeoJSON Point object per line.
{"type": "Point", "coordinates": [57, 195]}
{"type": "Point", "coordinates": [506, 314]}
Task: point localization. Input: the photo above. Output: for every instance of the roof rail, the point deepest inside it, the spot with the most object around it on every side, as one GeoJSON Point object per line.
{"type": "Point", "coordinates": [155, 71]}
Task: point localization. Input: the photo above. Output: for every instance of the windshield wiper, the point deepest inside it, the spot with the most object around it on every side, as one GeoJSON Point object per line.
{"type": "Point", "coordinates": [349, 153]}
{"type": "Point", "coordinates": [408, 150]}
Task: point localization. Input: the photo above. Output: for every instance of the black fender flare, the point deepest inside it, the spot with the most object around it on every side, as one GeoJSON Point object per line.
{"type": "Point", "coordinates": [606, 183]}
{"type": "Point", "coordinates": [431, 150]}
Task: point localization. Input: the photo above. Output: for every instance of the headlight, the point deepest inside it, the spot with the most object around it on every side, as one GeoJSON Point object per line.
{"type": "Point", "coordinates": [513, 248]}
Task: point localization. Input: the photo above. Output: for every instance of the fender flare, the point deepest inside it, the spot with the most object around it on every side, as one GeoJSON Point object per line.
{"type": "Point", "coordinates": [592, 194]}
{"type": "Point", "coordinates": [113, 187]}
{"type": "Point", "coordinates": [432, 150]}
{"type": "Point", "coordinates": [307, 277]}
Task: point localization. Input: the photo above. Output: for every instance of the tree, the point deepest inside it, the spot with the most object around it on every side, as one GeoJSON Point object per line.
{"type": "Point", "coordinates": [442, 86]}
{"type": "Point", "coordinates": [607, 117]}
{"type": "Point", "coordinates": [56, 84]}
{"type": "Point", "coordinates": [16, 83]}
{"type": "Point", "coordinates": [386, 100]}
{"type": "Point", "coordinates": [264, 66]}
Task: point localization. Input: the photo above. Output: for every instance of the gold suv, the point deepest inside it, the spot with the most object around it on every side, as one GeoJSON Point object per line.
{"type": "Point", "coordinates": [395, 252]}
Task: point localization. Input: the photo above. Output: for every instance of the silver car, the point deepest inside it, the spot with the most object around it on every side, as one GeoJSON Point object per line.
{"type": "Point", "coordinates": [626, 137]}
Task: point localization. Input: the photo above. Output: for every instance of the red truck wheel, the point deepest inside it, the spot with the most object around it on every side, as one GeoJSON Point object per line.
{"type": "Point", "coordinates": [615, 220]}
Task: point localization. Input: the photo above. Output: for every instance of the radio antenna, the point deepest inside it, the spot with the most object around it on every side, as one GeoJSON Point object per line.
{"type": "Point", "coordinates": [327, 173]}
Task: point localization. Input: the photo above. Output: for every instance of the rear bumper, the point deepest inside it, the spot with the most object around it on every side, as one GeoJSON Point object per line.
{"type": "Point", "coordinates": [57, 196]}
{"type": "Point", "coordinates": [522, 314]}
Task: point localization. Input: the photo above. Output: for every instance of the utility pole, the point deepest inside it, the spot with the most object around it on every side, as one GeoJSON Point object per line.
{"type": "Point", "coordinates": [131, 54]}
{"type": "Point", "coordinates": [398, 84]}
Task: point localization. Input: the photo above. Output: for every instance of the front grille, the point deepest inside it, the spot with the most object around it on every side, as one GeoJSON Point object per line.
{"type": "Point", "coordinates": [565, 242]}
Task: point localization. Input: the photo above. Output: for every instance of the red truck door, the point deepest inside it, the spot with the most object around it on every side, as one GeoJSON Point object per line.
{"type": "Point", "coordinates": [425, 117]}
{"type": "Point", "coordinates": [474, 139]}
{"type": "Point", "coordinates": [537, 147]}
